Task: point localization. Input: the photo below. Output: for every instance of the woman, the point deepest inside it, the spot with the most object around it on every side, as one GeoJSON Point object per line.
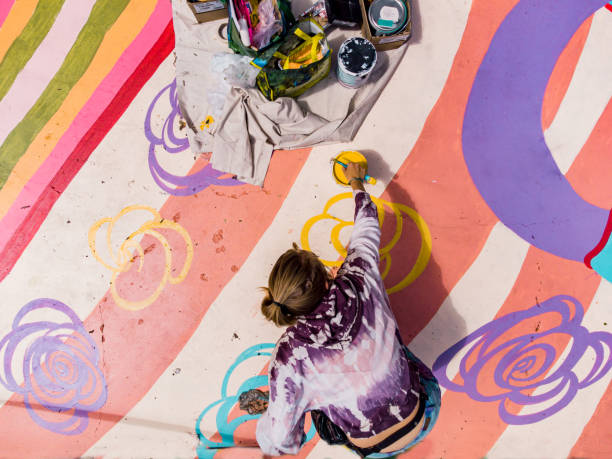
{"type": "Point", "coordinates": [341, 358]}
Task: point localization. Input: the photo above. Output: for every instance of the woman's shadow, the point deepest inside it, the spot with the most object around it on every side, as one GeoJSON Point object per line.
{"type": "Point", "coordinates": [414, 305]}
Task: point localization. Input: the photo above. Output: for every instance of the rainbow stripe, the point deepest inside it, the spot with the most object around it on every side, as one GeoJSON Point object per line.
{"type": "Point", "coordinates": [114, 54]}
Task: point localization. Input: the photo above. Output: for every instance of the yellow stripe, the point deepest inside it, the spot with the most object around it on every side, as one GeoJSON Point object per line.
{"type": "Point", "coordinates": [117, 39]}
{"type": "Point", "coordinates": [15, 21]}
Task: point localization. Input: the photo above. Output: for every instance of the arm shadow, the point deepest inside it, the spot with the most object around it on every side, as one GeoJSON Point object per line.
{"type": "Point", "coordinates": [416, 304]}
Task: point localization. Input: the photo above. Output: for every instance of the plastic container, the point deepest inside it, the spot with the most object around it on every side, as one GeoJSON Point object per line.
{"type": "Point", "coordinates": [387, 17]}
{"type": "Point", "coordinates": [344, 12]}
{"type": "Point", "coordinates": [356, 60]}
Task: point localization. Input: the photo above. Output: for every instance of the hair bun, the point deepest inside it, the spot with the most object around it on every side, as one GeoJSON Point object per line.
{"type": "Point", "coordinates": [267, 299]}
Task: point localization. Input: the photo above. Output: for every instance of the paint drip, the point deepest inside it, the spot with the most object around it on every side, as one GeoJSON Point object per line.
{"type": "Point", "coordinates": [356, 60]}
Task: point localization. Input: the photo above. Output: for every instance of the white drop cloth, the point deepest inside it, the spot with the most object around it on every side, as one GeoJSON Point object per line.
{"type": "Point", "coordinates": [250, 127]}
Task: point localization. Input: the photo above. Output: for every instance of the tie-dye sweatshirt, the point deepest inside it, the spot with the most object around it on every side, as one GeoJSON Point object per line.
{"type": "Point", "coordinates": [345, 358]}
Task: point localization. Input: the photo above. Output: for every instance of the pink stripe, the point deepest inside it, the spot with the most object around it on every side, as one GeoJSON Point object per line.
{"type": "Point", "coordinates": [5, 7]}
{"type": "Point", "coordinates": [44, 63]}
{"type": "Point", "coordinates": [100, 99]}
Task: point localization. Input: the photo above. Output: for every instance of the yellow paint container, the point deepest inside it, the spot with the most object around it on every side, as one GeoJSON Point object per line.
{"type": "Point", "coordinates": [349, 157]}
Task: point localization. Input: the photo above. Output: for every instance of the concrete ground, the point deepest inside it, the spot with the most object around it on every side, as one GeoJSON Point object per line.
{"type": "Point", "coordinates": [130, 269]}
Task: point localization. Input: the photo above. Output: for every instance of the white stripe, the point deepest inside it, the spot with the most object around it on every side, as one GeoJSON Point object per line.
{"type": "Point", "coordinates": [561, 431]}
{"type": "Point", "coordinates": [395, 123]}
{"type": "Point", "coordinates": [587, 96]}
{"type": "Point", "coordinates": [476, 298]}
{"type": "Point", "coordinates": [211, 350]}
{"type": "Point", "coordinates": [43, 65]}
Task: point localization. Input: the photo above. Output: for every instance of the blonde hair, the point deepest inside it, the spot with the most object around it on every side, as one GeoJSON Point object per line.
{"type": "Point", "coordinates": [296, 286]}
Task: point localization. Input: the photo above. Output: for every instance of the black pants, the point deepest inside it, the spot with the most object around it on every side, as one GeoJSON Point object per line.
{"type": "Point", "coordinates": [334, 435]}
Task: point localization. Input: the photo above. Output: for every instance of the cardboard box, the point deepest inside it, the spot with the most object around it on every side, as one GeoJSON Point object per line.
{"type": "Point", "coordinates": [208, 10]}
{"type": "Point", "coordinates": [385, 42]}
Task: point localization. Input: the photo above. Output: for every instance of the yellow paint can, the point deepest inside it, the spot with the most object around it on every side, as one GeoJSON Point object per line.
{"type": "Point", "coordinates": [344, 158]}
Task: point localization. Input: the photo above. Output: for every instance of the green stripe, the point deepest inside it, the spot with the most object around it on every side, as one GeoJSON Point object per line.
{"type": "Point", "coordinates": [102, 17]}
{"type": "Point", "coordinates": [21, 50]}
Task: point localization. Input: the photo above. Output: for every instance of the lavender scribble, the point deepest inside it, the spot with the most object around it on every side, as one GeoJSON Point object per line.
{"type": "Point", "coordinates": [59, 376]}
{"type": "Point", "coordinates": [523, 366]}
{"type": "Point", "coordinates": [175, 184]}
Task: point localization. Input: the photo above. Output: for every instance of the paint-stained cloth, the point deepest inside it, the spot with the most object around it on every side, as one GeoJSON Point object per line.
{"type": "Point", "coordinates": [249, 127]}
{"type": "Point", "coordinates": [345, 358]}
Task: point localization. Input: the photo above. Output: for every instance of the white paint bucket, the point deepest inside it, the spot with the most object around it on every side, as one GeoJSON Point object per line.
{"type": "Point", "coordinates": [356, 60]}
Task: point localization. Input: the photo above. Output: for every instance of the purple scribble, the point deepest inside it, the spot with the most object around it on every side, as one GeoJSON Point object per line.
{"type": "Point", "coordinates": [526, 362]}
{"type": "Point", "coordinates": [60, 370]}
{"type": "Point", "coordinates": [177, 185]}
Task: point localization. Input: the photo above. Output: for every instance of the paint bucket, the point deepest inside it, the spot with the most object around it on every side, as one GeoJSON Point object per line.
{"type": "Point", "coordinates": [356, 60]}
{"type": "Point", "coordinates": [388, 17]}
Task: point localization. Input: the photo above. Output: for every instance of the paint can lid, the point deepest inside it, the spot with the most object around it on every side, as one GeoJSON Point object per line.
{"type": "Point", "coordinates": [388, 16]}
{"type": "Point", "coordinates": [357, 56]}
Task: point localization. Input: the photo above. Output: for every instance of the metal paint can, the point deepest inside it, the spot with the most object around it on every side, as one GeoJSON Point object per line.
{"type": "Point", "coordinates": [388, 17]}
{"type": "Point", "coordinates": [356, 60]}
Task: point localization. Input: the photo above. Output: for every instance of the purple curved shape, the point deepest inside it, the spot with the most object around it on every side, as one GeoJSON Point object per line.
{"type": "Point", "coordinates": [177, 185]}
{"type": "Point", "coordinates": [60, 367]}
{"type": "Point", "coordinates": [503, 142]}
{"type": "Point", "coordinates": [526, 361]}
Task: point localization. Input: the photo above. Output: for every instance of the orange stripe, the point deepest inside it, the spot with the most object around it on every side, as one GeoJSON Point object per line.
{"type": "Point", "coordinates": [139, 346]}
{"type": "Point", "coordinates": [14, 23]}
{"type": "Point", "coordinates": [434, 180]}
{"type": "Point", "coordinates": [562, 75]}
{"type": "Point", "coordinates": [117, 39]}
{"type": "Point", "coordinates": [595, 441]}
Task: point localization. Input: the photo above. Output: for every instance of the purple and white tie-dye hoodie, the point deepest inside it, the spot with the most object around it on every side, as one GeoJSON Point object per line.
{"type": "Point", "coordinates": [344, 358]}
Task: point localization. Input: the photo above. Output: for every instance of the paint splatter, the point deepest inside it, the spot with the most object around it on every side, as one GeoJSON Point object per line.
{"type": "Point", "coordinates": [149, 248]}
{"type": "Point", "coordinates": [218, 236]}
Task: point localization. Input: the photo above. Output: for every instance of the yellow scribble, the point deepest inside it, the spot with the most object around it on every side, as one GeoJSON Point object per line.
{"type": "Point", "coordinates": [398, 210]}
{"type": "Point", "coordinates": [124, 256]}
{"type": "Point", "coordinates": [207, 123]}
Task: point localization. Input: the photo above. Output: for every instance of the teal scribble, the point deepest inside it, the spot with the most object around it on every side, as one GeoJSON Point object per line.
{"type": "Point", "coordinates": [208, 448]}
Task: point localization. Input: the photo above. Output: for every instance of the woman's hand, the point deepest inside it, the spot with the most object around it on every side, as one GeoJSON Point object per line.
{"type": "Point", "coordinates": [355, 174]}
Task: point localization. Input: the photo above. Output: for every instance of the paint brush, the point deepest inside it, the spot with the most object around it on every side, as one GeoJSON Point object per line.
{"type": "Point", "coordinates": [367, 178]}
